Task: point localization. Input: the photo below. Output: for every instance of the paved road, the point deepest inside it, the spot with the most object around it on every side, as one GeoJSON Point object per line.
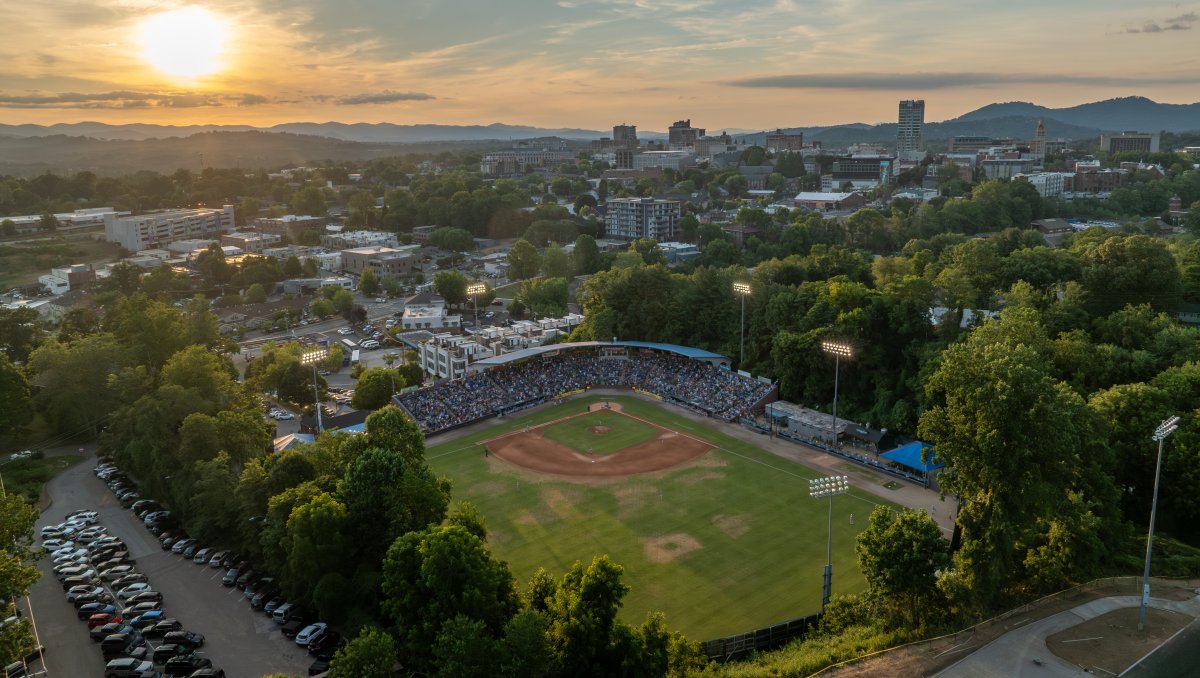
{"type": "Point", "coordinates": [1013, 654]}
{"type": "Point", "coordinates": [1178, 658]}
{"type": "Point", "coordinates": [243, 642]}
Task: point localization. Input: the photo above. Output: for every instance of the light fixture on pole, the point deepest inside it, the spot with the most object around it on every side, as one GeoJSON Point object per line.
{"type": "Point", "coordinates": [312, 358]}
{"type": "Point", "coordinates": [839, 350]}
{"type": "Point", "coordinates": [743, 290]}
{"type": "Point", "coordinates": [828, 488]}
{"type": "Point", "coordinates": [1160, 434]}
{"type": "Point", "coordinates": [476, 289]}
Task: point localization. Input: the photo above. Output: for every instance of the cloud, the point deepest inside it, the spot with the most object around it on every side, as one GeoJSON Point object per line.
{"type": "Point", "coordinates": [384, 97]}
{"type": "Point", "coordinates": [253, 100]}
{"type": "Point", "coordinates": [933, 81]}
{"type": "Point", "coordinates": [1183, 22]}
{"type": "Point", "coordinates": [118, 99]}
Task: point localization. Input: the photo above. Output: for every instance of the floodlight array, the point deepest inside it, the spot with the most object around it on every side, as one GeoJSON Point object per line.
{"type": "Point", "coordinates": [741, 288]}
{"type": "Point", "coordinates": [831, 486]}
{"type": "Point", "coordinates": [840, 349]}
{"type": "Point", "coordinates": [313, 356]}
{"type": "Point", "coordinates": [1166, 428]}
{"type": "Point", "coordinates": [475, 289]}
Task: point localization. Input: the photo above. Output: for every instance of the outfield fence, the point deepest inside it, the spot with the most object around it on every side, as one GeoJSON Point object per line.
{"type": "Point", "coordinates": [770, 637]}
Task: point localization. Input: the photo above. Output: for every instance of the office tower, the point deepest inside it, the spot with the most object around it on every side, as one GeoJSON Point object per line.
{"type": "Point", "coordinates": [911, 128]}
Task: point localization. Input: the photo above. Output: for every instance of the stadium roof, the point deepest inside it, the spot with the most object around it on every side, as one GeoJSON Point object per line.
{"type": "Point", "coordinates": [524, 354]}
{"type": "Point", "coordinates": [910, 455]}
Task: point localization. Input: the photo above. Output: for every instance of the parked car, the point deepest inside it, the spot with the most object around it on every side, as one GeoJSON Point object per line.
{"type": "Point", "coordinates": [76, 592]}
{"type": "Point", "coordinates": [281, 613]}
{"type": "Point", "coordinates": [116, 572]}
{"type": "Point", "coordinates": [55, 543]}
{"type": "Point", "coordinates": [102, 618]}
{"type": "Point", "coordinates": [259, 601]}
{"type": "Point", "coordinates": [185, 665]}
{"type": "Point", "coordinates": [231, 577]}
{"type": "Point", "coordinates": [146, 597]}
{"type": "Point", "coordinates": [143, 614]}
{"type": "Point", "coordinates": [164, 652]}
{"type": "Point", "coordinates": [123, 645]}
{"type": "Point", "coordinates": [324, 640]}
{"type": "Point", "coordinates": [293, 627]}
{"type": "Point", "coordinates": [86, 611]}
{"type": "Point", "coordinates": [191, 549]}
{"type": "Point", "coordinates": [209, 672]}
{"type": "Point", "coordinates": [310, 633]}
{"type": "Point", "coordinates": [85, 598]}
{"type": "Point", "coordinates": [83, 515]}
{"type": "Point", "coordinates": [271, 605]}
{"type": "Point", "coordinates": [257, 586]}
{"type": "Point", "coordinates": [201, 557]}
{"type": "Point", "coordinates": [162, 628]}
{"type": "Point", "coordinates": [217, 558]}
{"type": "Point", "coordinates": [180, 545]}
{"type": "Point", "coordinates": [130, 667]}
{"type": "Point", "coordinates": [131, 578]}
{"type": "Point", "coordinates": [189, 638]}
{"type": "Point", "coordinates": [248, 578]}
{"type": "Point", "coordinates": [133, 590]}
{"type": "Point", "coordinates": [101, 632]}
{"type": "Point", "coordinates": [88, 578]}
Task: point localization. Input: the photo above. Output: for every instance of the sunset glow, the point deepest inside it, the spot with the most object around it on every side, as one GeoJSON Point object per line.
{"type": "Point", "coordinates": [185, 43]}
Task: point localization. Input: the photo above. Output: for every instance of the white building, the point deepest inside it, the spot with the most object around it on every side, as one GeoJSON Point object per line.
{"type": "Point", "coordinates": [427, 311]}
{"type": "Point", "coordinates": [157, 229]}
{"type": "Point", "coordinates": [632, 218]}
{"type": "Point", "coordinates": [92, 216]}
{"type": "Point", "coordinates": [446, 356]}
{"type": "Point", "coordinates": [1047, 184]}
{"type": "Point", "coordinates": [672, 159]}
{"type": "Point", "coordinates": [518, 160]}
{"type": "Point", "coordinates": [352, 239]}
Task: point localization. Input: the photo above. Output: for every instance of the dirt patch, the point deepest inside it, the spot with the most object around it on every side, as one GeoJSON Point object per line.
{"type": "Point", "coordinates": [632, 498]}
{"type": "Point", "coordinates": [1111, 643]}
{"type": "Point", "coordinates": [530, 450]}
{"type": "Point", "coordinates": [525, 518]}
{"type": "Point", "coordinates": [490, 487]}
{"type": "Point", "coordinates": [733, 526]}
{"type": "Point", "coordinates": [711, 461]}
{"type": "Point", "coordinates": [600, 430]}
{"type": "Point", "coordinates": [697, 478]}
{"type": "Point", "coordinates": [669, 547]}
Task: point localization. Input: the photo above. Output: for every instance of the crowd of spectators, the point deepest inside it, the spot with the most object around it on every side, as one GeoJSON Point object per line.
{"type": "Point", "coordinates": [717, 392]}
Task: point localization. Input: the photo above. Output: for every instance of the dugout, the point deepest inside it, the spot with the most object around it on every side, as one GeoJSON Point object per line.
{"type": "Point", "coordinates": [911, 457]}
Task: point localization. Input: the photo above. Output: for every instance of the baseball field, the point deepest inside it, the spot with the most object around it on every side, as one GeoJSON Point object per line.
{"type": "Point", "coordinates": [716, 533]}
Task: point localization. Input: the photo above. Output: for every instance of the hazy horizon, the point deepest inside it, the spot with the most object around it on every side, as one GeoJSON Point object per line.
{"type": "Point", "coordinates": [584, 64]}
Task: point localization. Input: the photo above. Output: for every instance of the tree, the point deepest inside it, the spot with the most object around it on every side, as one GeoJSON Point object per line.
{"type": "Point", "coordinates": [309, 267]}
{"type": "Point", "coordinates": [555, 263]}
{"type": "Point", "coordinates": [20, 332]}
{"type": "Point", "coordinates": [317, 542]}
{"type": "Point", "coordinates": [431, 577]}
{"type": "Point", "coordinates": [368, 282]}
{"type": "Point", "coordinates": [212, 265]}
{"type": "Point", "coordinates": [900, 554]}
{"type": "Point", "coordinates": [18, 568]}
{"type": "Point", "coordinates": [452, 286]}
{"type": "Point", "coordinates": [48, 222]}
{"type": "Point", "coordinates": [523, 260]}
{"type": "Point", "coordinates": [649, 251]}
{"type": "Point", "coordinates": [292, 267]}
{"type": "Point", "coordinates": [14, 397]}
{"type": "Point", "coordinates": [375, 387]}
{"type": "Point", "coordinates": [371, 655]}
{"type": "Point", "coordinates": [452, 239]}
{"type": "Point", "coordinates": [310, 201]}
{"type": "Point", "coordinates": [388, 494]}
{"type": "Point", "coordinates": [586, 255]}
{"type": "Point", "coordinates": [256, 294]}
{"type": "Point", "coordinates": [1133, 269]}
{"type": "Point", "coordinates": [8, 228]}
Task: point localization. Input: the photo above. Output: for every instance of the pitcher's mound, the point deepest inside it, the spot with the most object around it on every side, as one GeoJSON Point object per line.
{"type": "Point", "coordinates": [600, 430]}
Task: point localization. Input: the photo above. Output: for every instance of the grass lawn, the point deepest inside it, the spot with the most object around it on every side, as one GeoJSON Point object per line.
{"type": "Point", "coordinates": [725, 544]}
{"type": "Point", "coordinates": [26, 476]}
{"type": "Point", "coordinates": [22, 261]}
{"type": "Point", "coordinates": [622, 432]}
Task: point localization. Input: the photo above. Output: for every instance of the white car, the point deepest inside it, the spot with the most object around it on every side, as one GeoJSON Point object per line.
{"type": "Point", "coordinates": [23, 454]}
{"type": "Point", "coordinates": [381, 300]}
{"type": "Point", "coordinates": [65, 548]}
{"type": "Point", "coordinates": [72, 556]}
{"type": "Point", "coordinates": [345, 331]}
{"type": "Point", "coordinates": [83, 515]}
{"type": "Point", "coordinates": [285, 416]}
{"type": "Point", "coordinates": [83, 590]}
{"type": "Point", "coordinates": [310, 633]}
{"type": "Point", "coordinates": [54, 543]}
{"type": "Point", "coordinates": [132, 590]}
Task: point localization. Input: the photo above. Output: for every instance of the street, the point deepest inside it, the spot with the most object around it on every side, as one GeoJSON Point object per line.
{"type": "Point", "coordinates": [238, 639]}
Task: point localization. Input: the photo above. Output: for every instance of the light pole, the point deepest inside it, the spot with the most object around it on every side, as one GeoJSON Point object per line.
{"type": "Point", "coordinates": [1160, 434]}
{"type": "Point", "coordinates": [822, 488]}
{"type": "Point", "coordinates": [839, 350]}
{"type": "Point", "coordinates": [476, 289]}
{"type": "Point", "coordinates": [312, 358]}
{"type": "Point", "coordinates": [742, 289]}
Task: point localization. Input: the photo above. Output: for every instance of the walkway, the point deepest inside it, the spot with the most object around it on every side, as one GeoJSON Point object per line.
{"type": "Point", "coordinates": [1023, 652]}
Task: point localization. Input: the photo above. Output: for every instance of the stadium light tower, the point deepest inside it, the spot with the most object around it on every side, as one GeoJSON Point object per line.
{"type": "Point", "coordinates": [1160, 434]}
{"type": "Point", "coordinates": [312, 358]}
{"type": "Point", "coordinates": [839, 350]}
{"type": "Point", "coordinates": [476, 289]}
{"type": "Point", "coordinates": [742, 289]}
{"type": "Point", "coordinates": [828, 488]}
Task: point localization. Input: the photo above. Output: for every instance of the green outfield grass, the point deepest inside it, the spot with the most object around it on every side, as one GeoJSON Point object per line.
{"type": "Point", "coordinates": [576, 433]}
{"type": "Point", "coordinates": [740, 544]}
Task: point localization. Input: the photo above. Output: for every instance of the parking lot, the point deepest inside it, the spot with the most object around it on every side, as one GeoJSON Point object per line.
{"type": "Point", "coordinates": [238, 639]}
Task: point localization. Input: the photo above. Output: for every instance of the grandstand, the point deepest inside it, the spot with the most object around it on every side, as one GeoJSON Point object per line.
{"type": "Point", "coordinates": [688, 377]}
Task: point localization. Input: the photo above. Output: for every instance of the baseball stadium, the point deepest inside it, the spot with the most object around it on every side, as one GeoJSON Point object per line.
{"type": "Point", "coordinates": [633, 449]}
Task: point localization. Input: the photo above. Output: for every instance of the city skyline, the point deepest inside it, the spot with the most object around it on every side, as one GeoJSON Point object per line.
{"type": "Point", "coordinates": [571, 63]}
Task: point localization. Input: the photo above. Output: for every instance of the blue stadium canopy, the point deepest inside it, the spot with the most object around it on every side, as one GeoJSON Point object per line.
{"type": "Point", "coordinates": [524, 354]}
{"type": "Point", "coordinates": [910, 455]}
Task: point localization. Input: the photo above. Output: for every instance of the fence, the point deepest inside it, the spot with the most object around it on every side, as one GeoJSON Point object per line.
{"type": "Point", "coordinates": [758, 640]}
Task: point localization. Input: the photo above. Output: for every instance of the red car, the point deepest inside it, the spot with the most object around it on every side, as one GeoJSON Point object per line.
{"type": "Point", "coordinates": [103, 618]}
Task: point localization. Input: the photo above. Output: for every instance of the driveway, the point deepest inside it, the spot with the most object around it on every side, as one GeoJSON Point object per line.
{"type": "Point", "coordinates": [240, 640]}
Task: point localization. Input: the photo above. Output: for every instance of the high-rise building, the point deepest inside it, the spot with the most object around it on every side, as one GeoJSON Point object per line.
{"type": "Point", "coordinates": [682, 133]}
{"type": "Point", "coordinates": [910, 132]}
{"type": "Point", "coordinates": [1129, 141]}
{"type": "Point", "coordinates": [633, 218]}
{"type": "Point", "coordinates": [1038, 147]}
{"type": "Point", "coordinates": [784, 141]}
{"type": "Point", "coordinates": [625, 136]}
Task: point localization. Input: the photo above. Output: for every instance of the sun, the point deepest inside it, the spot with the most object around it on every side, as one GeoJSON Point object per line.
{"type": "Point", "coordinates": [184, 43]}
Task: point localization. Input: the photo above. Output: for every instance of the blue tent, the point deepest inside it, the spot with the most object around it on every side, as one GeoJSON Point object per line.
{"type": "Point", "coordinates": [910, 455]}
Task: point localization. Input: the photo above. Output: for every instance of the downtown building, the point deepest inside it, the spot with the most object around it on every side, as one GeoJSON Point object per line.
{"type": "Point", "coordinates": [910, 130]}
{"type": "Point", "coordinates": [157, 229]}
{"type": "Point", "coordinates": [629, 219]}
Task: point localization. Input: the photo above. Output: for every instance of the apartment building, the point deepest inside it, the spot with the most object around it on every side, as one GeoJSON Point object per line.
{"type": "Point", "coordinates": [632, 218]}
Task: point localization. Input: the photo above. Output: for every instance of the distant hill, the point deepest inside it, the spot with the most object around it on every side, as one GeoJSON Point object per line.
{"type": "Point", "coordinates": [1126, 113]}
{"type": "Point", "coordinates": [28, 156]}
{"type": "Point", "coordinates": [1016, 127]}
{"type": "Point", "coordinates": [363, 132]}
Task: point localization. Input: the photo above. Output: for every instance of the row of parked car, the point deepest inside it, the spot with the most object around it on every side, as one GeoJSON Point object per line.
{"type": "Point", "coordinates": [123, 612]}
{"type": "Point", "coordinates": [259, 590]}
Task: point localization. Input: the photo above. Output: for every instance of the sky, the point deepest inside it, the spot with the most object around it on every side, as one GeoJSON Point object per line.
{"type": "Point", "coordinates": [740, 64]}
